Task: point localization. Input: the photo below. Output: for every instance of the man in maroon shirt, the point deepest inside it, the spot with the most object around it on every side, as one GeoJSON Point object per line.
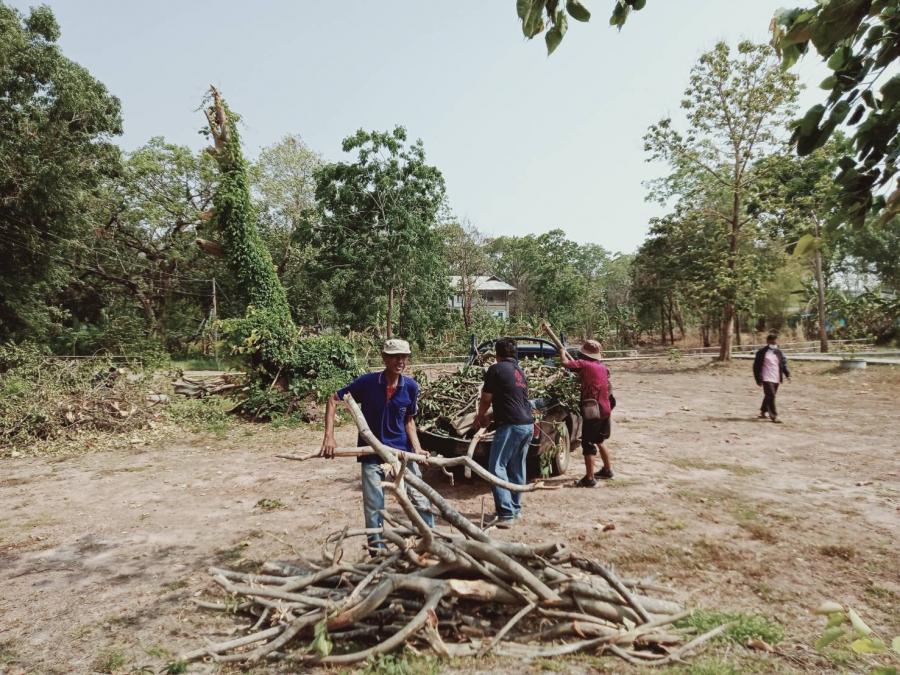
{"type": "Point", "coordinates": [596, 393]}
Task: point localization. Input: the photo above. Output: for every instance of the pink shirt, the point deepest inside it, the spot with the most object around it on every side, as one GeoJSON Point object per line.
{"type": "Point", "coordinates": [771, 370]}
{"type": "Point", "coordinates": [594, 378]}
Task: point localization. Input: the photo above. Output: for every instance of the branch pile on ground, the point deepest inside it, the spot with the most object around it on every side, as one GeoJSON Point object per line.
{"type": "Point", "coordinates": [45, 397]}
{"type": "Point", "coordinates": [455, 594]}
{"type": "Point", "coordinates": [443, 400]}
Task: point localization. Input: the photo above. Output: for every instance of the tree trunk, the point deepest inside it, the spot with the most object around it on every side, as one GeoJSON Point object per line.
{"type": "Point", "coordinates": [390, 313]}
{"type": "Point", "coordinates": [662, 321]}
{"type": "Point", "coordinates": [820, 288]}
{"type": "Point", "coordinates": [737, 327]}
{"type": "Point", "coordinates": [671, 328]}
{"type": "Point", "coordinates": [679, 319]}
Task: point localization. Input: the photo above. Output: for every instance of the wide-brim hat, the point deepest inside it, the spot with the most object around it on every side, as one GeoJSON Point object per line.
{"type": "Point", "coordinates": [396, 347]}
{"type": "Point", "coordinates": [590, 349]}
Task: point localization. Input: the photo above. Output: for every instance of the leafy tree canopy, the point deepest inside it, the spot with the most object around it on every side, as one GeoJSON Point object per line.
{"type": "Point", "coordinates": [376, 232]}
{"type": "Point", "coordinates": [56, 123]}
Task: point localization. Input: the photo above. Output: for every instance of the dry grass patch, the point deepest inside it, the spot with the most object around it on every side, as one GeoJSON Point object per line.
{"type": "Point", "coordinates": [759, 531]}
{"type": "Point", "coordinates": [838, 551]}
{"type": "Point", "coordinates": [704, 465]}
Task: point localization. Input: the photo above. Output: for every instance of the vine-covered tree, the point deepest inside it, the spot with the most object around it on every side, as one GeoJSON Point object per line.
{"type": "Point", "coordinates": [376, 232]}
{"type": "Point", "coordinates": [736, 107]}
{"type": "Point", "coordinates": [56, 126]}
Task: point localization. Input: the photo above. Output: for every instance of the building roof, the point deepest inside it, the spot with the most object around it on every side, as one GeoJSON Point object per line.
{"type": "Point", "coordinates": [484, 284]}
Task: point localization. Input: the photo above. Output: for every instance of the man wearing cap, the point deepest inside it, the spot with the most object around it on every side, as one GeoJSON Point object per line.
{"type": "Point", "coordinates": [388, 400]}
{"type": "Point", "coordinates": [597, 403]}
{"type": "Point", "coordinates": [506, 389]}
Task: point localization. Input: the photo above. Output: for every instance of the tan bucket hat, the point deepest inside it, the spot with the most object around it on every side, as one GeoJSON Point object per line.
{"type": "Point", "coordinates": [396, 347]}
{"type": "Point", "coordinates": [590, 349]}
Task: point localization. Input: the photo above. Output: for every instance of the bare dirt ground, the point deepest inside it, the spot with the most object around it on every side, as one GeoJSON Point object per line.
{"type": "Point", "coordinates": [101, 554]}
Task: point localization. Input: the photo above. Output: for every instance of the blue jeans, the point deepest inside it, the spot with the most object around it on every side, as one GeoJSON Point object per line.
{"type": "Point", "coordinates": [507, 461]}
{"type": "Point", "coordinates": [373, 499]}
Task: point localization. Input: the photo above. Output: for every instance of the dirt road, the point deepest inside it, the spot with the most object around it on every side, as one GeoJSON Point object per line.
{"type": "Point", "coordinates": [100, 554]}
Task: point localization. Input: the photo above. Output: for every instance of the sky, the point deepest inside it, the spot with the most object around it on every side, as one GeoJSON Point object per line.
{"type": "Point", "coordinates": [526, 143]}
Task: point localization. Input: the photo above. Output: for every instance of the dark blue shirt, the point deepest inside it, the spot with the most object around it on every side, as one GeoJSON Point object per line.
{"type": "Point", "coordinates": [509, 387]}
{"type": "Point", "coordinates": [387, 419]}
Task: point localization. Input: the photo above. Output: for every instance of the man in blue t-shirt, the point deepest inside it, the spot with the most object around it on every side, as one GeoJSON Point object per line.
{"type": "Point", "coordinates": [388, 401]}
{"type": "Point", "coordinates": [506, 389]}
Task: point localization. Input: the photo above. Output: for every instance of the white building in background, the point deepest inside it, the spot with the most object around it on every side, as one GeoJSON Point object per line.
{"type": "Point", "coordinates": [493, 295]}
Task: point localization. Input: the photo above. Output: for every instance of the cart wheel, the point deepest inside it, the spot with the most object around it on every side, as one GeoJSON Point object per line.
{"type": "Point", "coordinates": [563, 455]}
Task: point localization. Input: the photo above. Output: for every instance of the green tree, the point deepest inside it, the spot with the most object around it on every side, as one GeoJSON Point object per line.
{"type": "Point", "coordinates": [735, 109]}
{"type": "Point", "coordinates": [795, 196]}
{"type": "Point", "coordinates": [513, 260]}
{"type": "Point", "coordinates": [144, 246]}
{"type": "Point", "coordinates": [376, 234]}
{"type": "Point", "coordinates": [56, 126]}
{"type": "Point", "coordinates": [284, 186]}
{"type": "Point", "coordinates": [468, 259]}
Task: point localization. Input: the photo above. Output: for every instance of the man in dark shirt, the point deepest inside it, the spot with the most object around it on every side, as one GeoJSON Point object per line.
{"type": "Point", "coordinates": [389, 403]}
{"type": "Point", "coordinates": [506, 389]}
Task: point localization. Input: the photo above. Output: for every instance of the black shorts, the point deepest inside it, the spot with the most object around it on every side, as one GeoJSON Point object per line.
{"type": "Point", "coordinates": [592, 433]}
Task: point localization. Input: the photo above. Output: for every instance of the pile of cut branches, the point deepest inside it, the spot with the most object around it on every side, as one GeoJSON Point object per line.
{"type": "Point", "coordinates": [460, 594]}
{"type": "Point", "coordinates": [44, 397]}
{"type": "Point", "coordinates": [444, 399]}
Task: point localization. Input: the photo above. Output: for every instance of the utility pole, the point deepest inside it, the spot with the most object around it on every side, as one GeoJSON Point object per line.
{"type": "Point", "coordinates": [215, 319]}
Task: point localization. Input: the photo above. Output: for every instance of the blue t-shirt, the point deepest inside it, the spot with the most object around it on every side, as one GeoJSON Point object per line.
{"type": "Point", "coordinates": [387, 419]}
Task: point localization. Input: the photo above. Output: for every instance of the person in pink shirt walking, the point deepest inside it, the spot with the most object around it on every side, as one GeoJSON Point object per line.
{"type": "Point", "coordinates": [770, 368]}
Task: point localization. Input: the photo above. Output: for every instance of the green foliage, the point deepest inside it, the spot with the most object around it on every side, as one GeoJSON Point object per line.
{"type": "Point", "coordinates": [175, 668]}
{"type": "Point", "coordinates": [271, 505]}
{"type": "Point", "coordinates": [860, 41]}
{"type": "Point", "coordinates": [235, 220]}
{"type": "Point", "coordinates": [42, 397]}
{"type": "Point", "coordinates": [201, 415]}
{"type": "Point", "coordinates": [441, 398]}
{"type": "Point", "coordinates": [283, 182]}
{"type": "Point", "coordinates": [58, 122]}
{"type": "Point", "coordinates": [556, 279]}
{"type": "Point", "coordinates": [402, 664]}
{"type": "Point", "coordinates": [714, 167]}
{"type": "Point", "coordinates": [745, 626]}
{"type": "Point", "coordinates": [864, 639]}
{"type": "Point", "coordinates": [532, 14]}
{"type": "Point", "coordinates": [321, 643]}
{"type": "Point", "coordinates": [376, 235]}
{"type": "Point", "coordinates": [110, 661]}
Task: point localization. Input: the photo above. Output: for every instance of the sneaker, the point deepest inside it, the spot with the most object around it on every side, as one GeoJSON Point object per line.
{"type": "Point", "coordinates": [603, 473]}
{"type": "Point", "coordinates": [502, 522]}
{"type": "Point", "coordinates": [761, 416]}
{"type": "Point", "coordinates": [586, 482]}
{"type": "Point", "coordinates": [776, 420]}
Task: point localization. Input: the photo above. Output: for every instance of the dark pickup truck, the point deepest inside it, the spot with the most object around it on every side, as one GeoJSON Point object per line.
{"type": "Point", "coordinates": [558, 432]}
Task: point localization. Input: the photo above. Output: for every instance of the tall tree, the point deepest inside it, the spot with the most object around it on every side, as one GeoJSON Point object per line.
{"type": "Point", "coordinates": [796, 197]}
{"type": "Point", "coordinates": [144, 245]}
{"type": "Point", "coordinates": [376, 230]}
{"type": "Point", "coordinates": [56, 126]}
{"type": "Point", "coordinates": [468, 259]}
{"type": "Point", "coordinates": [284, 187]}
{"type": "Point", "coordinates": [736, 109]}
